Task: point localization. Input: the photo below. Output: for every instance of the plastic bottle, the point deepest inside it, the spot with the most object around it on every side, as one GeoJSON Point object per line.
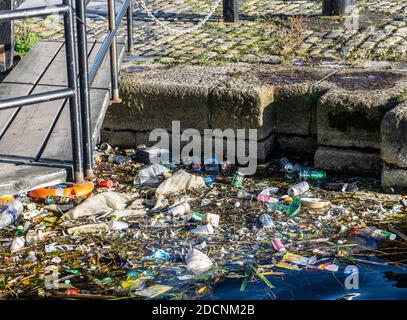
{"type": "Point", "coordinates": [180, 209]}
{"type": "Point", "coordinates": [242, 194]}
{"type": "Point", "coordinates": [298, 189]}
{"type": "Point", "coordinates": [294, 207]}
{"type": "Point", "coordinates": [373, 232]}
{"type": "Point", "coordinates": [266, 221]}
{"type": "Point", "coordinates": [277, 207]}
{"type": "Point", "coordinates": [209, 180]}
{"type": "Point", "coordinates": [8, 216]}
{"type": "Point", "coordinates": [12, 203]}
{"type": "Point", "coordinates": [194, 216]}
{"type": "Point", "coordinates": [286, 165]}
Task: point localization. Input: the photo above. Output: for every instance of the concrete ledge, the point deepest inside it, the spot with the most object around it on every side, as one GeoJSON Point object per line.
{"type": "Point", "coordinates": [350, 114]}
{"type": "Point", "coordinates": [293, 110]}
{"type": "Point", "coordinates": [393, 146]}
{"type": "Point", "coordinates": [394, 179]}
{"type": "Point", "coordinates": [349, 161]}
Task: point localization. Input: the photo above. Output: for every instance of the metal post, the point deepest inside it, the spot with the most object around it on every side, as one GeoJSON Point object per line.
{"type": "Point", "coordinates": [6, 39]}
{"type": "Point", "coordinates": [113, 54]}
{"type": "Point", "coordinates": [230, 10]}
{"type": "Point", "coordinates": [130, 42]}
{"type": "Point", "coordinates": [73, 101]}
{"type": "Point", "coordinates": [337, 7]}
{"type": "Point", "coordinates": [84, 89]}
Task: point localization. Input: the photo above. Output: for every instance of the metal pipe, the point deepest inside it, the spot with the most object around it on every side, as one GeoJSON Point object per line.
{"type": "Point", "coordinates": [35, 99]}
{"type": "Point", "coordinates": [97, 62]}
{"type": "Point", "coordinates": [113, 53]}
{"type": "Point", "coordinates": [7, 15]}
{"type": "Point", "coordinates": [231, 10]}
{"type": "Point", "coordinates": [130, 42]}
{"type": "Point", "coordinates": [84, 89]}
{"type": "Point", "coordinates": [73, 100]}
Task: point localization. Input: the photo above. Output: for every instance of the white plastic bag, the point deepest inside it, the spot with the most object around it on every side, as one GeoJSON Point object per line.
{"type": "Point", "coordinates": [99, 203]}
{"type": "Point", "coordinates": [197, 261]}
{"type": "Point", "coordinates": [150, 175]}
{"type": "Point", "coordinates": [179, 182]}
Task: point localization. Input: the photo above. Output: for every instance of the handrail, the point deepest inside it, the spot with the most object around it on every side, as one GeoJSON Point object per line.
{"type": "Point", "coordinates": [71, 92]}
{"type": "Point", "coordinates": [80, 117]}
{"type": "Point", "coordinates": [14, 14]}
{"type": "Point", "coordinates": [107, 42]}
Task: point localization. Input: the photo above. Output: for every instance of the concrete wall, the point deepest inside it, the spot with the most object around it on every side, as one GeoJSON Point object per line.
{"type": "Point", "coordinates": [348, 120]}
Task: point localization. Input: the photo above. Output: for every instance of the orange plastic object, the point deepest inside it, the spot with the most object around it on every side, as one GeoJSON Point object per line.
{"type": "Point", "coordinates": [74, 191]}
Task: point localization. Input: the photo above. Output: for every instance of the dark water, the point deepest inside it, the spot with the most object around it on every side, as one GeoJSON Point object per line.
{"type": "Point", "coordinates": [375, 282]}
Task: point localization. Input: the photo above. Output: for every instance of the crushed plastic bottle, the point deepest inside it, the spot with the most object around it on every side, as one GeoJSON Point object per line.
{"type": "Point", "coordinates": [8, 216]}
{"type": "Point", "coordinates": [298, 189]}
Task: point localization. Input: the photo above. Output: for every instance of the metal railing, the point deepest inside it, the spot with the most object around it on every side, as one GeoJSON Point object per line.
{"type": "Point", "coordinates": [88, 73]}
{"type": "Point", "coordinates": [78, 95]}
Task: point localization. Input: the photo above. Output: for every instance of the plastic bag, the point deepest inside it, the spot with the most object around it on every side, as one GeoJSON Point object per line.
{"type": "Point", "coordinates": [179, 182]}
{"type": "Point", "coordinates": [198, 261]}
{"type": "Point", "coordinates": [100, 203]}
{"type": "Point", "coordinates": [150, 175]}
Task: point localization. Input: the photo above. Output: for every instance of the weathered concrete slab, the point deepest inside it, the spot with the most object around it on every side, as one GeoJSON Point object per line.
{"type": "Point", "coordinates": [296, 94]}
{"type": "Point", "coordinates": [393, 178]}
{"type": "Point", "coordinates": [241, 102]}
{"type": "Point", "coordinates": [198, 97]}
{"type": "Point", "coordinates": [393, 146]}
{"type": "Point", "coordinates": [296, 146]}
{"type": "Point", "coordinates": [348, 161]}
{"type": "Point", "coordinates": [350, 114]}
{"type": "Point", "coordinates": [125, 139]}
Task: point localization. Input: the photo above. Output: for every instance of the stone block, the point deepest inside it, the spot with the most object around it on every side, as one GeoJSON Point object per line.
{"type": "Point", "coordinates": [348, 161]}
{"type": "Point", "coordinates": [350, 114]}
{"type": "Point", "coordinates": [393, 145]}
{"type": "Point", "coordinates": [394, 179]}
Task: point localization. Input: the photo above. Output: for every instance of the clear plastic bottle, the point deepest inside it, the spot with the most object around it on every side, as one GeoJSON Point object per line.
{"type": "Point", "coordinates": [373, 232]}
{"type": "Point", "coordinates": [9, 211]}
{"type": "Point", "coordinates": [286, 165]}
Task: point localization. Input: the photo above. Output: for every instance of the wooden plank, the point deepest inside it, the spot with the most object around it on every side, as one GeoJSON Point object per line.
{"type": "Point", "coordinates": [21, 178]}
{"type": "Point", "coordinates": [99, 99]}
{"type": "Point", "coordinates": [35, 63]}
{"type": "Point", "coordinates": [24, 76]}
{"type": "Point", "coordinates": [31, 127]}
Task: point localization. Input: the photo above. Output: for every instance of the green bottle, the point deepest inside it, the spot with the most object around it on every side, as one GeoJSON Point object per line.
{"type": "Point", "coordinates": [312, 174]}
{"type": "Point", "coordinates": [294, 207]}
